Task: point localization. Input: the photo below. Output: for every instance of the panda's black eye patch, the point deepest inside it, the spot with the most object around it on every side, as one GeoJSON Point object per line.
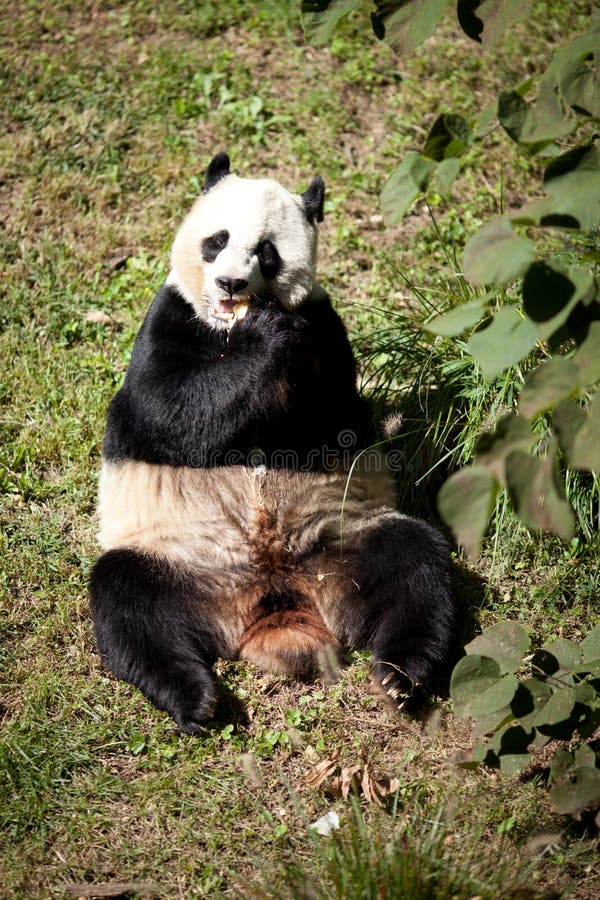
{"type": "Point", "coordinates": [212, 246]}
{"type": "Point", "coordinates": [268, 258]}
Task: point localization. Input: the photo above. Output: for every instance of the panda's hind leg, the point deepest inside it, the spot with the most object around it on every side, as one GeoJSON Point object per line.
{"type": "Point", "coordinates": [154, 631]}
{"type": "Point", "coordinates": [400, 604]}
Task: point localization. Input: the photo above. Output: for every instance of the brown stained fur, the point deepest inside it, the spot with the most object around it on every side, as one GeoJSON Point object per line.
{"type": "Point", "coordinates": [284, 629]}
{"type": "Point", "coordinates": [265, 548]}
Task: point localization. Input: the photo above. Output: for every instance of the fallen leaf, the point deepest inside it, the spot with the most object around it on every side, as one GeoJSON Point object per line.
{"type": "Point", "coordinates": [322, 771]}
{"type": "Point", "coordinates": [117, 260]}
{"type": "Point", "coordinates": [348, 780]}
{"type": "Point", "coordinates": [357, 779]}
{"type": "Point", "coordinates": [374, 790]}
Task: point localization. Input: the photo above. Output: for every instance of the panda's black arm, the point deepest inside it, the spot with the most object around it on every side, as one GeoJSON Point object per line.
{"type": "Point", "coordinates": [191, 395]}
{"type": "Point", "coordinates": [330, 344]}
{"type": "Point", "coordinates": [337, 370]}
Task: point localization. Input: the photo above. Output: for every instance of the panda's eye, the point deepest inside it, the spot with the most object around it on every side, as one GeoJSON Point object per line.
{"type": "Point", "coordinates": [268, 259]}
{"type": "Point", "coordinates": [212, 246]}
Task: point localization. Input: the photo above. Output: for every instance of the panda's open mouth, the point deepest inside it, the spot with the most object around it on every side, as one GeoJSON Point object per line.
{"type": "Point", "coordinates": [229, 308]}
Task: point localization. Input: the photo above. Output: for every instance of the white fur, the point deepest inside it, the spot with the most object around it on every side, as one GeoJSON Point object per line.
{"type": "Point", "coordinates": [251, 210]}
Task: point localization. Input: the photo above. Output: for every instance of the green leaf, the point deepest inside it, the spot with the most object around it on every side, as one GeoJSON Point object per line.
{"type": "Point", "coordinates": [405, 184]}
{"type": "Point", "coordinates": [591, 668]}
{"type": "Point", "coordinates": [536, 493]}
{"type": "Point", "coordinates": [584, 756]}
{"type": "Point", "coordinates": [514, 763]}
{"type": "Point", "coordinates": [532, 695]}
{"type": "Point", "coordinates": [465, 502]}
{"type": "Point", "coordinates": [560, 764]}
{"type": "Point", "coordinates": [460, 318]}
{"type": "Point", "coordinates": [495, 254]}
{"type": "Point", "coordinates": [449, 136]}
{"type": "Point", "coordinates": [578, 434]}
{"type": "Point", "coordinates": [590, 645]}
{"type": "Point", "coordinates": [486, 21]}
{"type": "Point", "coordinates": [533, 125]}
{"type": "Point", "coordinates": [485, 120]}
{"type": "Point", "coordinates": [511, 432]}
{"type": "Point", "coordinates": [506, 341]}
{"type": "Point", "coordinates": [320, 17]}
{"type": "Point", "coordinates": [485, 725]}
{"type": "Point", "coordinates": [567, 420]}
{"type": "Point", "coordinates": [585, 693]}
{"type": "Point", "coordinates": [506, 642]}
{"type": "Point", "coordinates": [552, 381]}
{"type": "Point", "coordinates": [570, 69]}
{"type": "Point", "coordinates": [136, 743]}
{"type": "Point", "coordinates": [585, 450]}
{"type": "Point", "coordinates": [557, 710]}
{"type": "Point", "coordinates": [478, 688]}
{"type": "Point", "coordinates": [445, 174]}
{"type": "Point", "coordinates": [580, 86]}
{"type": "Point", "coordinates": [567, 653]}
{"type": "Point", "coordinates": [588, 355]}
{"type": "Point", "coordinates": [405, 24]}
{"type": "Point", "coordinates": [579, 791]}
{"type": "Point", "coordinates": [507, 748]}
{"type": "Point", "coordinates": [572, 182]}
{"type": "Point", "coordinates": [551, 293]}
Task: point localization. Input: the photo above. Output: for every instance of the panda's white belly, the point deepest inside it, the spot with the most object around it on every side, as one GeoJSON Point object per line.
{"type": "Point", "coordinates": [214, 516]}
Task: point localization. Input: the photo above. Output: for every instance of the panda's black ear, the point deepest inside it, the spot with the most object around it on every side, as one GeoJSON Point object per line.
{"type": "Point", "coordinates": [218, 168]}
{"type": "Point", "coordinates": [313, 199]}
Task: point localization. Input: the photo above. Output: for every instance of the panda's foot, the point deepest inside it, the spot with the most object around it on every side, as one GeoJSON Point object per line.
{"type": "Point", "coordinates": [398, 688]}
{"type": "Point", "coordinates": [188, 696]}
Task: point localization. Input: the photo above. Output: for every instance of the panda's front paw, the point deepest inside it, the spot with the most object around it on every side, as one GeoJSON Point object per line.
{"type": "Point", "coordinates": [268, 319]}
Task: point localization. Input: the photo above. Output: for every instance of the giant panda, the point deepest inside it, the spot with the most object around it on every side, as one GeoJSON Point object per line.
{"type": "Point", "coordinates": [242, 515]}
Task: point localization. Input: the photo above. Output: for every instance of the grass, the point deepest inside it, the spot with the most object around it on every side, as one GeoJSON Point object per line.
{"type": "Point", "coordinates": [110, 113]}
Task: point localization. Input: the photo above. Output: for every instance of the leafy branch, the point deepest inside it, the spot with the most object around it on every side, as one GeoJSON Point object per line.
{"type": "Point", "coordinates": [521, 702]}
{"type": "Point", "coordinates": [559, 310]}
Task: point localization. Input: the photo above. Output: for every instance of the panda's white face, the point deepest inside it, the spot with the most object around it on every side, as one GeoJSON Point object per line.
{"type": "Point", "coordinates": [244, 237]}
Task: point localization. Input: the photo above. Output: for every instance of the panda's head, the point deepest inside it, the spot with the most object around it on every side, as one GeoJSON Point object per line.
{"type": "Point", "coordinates": [246, 237]}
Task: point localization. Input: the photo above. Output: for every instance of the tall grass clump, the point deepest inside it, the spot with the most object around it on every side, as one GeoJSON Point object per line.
{"type": "Point", "coordinates": [408, 852]}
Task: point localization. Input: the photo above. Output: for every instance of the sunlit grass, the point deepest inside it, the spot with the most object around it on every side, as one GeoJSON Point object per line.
{"type": "Point", "coordinates": [109, 117]}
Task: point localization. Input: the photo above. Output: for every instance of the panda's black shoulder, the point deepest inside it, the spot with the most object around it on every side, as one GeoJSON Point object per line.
{"type": "Point", "coordinates": [171, 335]}
{"type": "Point", "coordinates": [329, 337]}
{"type": "Point", "coordinates": [318, 310]}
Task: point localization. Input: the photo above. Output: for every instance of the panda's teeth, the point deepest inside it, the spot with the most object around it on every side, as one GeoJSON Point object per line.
{"type": "Point", "coordinates": [230, 312]}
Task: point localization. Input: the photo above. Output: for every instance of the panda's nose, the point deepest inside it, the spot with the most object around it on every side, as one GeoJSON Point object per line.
{"type": "Point", "coordinates": [231, 285]}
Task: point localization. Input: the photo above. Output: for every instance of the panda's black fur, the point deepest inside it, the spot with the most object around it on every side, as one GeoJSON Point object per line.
{"type": "Point", "coordinates": [236, 518]}
{"type": "Point", "coordinates": [279, 384]}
